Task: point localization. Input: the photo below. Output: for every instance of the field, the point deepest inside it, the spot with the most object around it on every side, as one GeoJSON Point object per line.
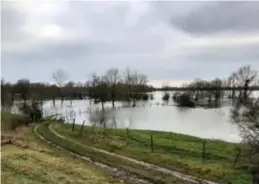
{"type": "Point", "coordinates": [29, 160]}
{"type": "Point", "coordinates": [121, 164]}
{"type": "Point", "coordinates": [173, 151]}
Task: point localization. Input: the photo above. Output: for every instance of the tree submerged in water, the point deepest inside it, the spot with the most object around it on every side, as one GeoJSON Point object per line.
{"type": "Point", "coordinates": [183, 100]}
{"type": "Point", "coordinates": [32, 111]}
{"type": "Point", "coordinates": [166, 97]}
{"type": "Point", "coordinates": [245, 114]}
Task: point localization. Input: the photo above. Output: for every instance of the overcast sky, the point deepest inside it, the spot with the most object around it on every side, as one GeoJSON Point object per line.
{"type": "Point", "coordinates": [168, 41]}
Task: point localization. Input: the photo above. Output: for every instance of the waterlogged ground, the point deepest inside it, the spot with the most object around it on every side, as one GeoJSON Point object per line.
{"type": "Point", "coordinates": [153, 115]}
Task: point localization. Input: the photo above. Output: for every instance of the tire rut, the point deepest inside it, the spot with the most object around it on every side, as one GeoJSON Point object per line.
{"type": "Point", "coordinates": [116, 172]}
{"type": "Point", "coordinates": [157, 168]}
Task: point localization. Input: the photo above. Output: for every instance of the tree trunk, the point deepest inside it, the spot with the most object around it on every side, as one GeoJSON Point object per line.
{"type": "Point", "coordinates": [134, 102]}
{"type": "Point", "coordinates": [233, 94]}
{"type": "Point", "coordinates": [102, 105]}
{"type": "Point", "coordinates": [54, 101]}
{"type": "Point", "coordinates": [246, 89]}
{"type": "Point", "coordinates": [113, 103]}
{"type": "Point", "coordinates": [113, 98]}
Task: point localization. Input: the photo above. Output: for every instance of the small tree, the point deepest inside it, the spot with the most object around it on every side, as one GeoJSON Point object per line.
{"type": "Point", "coordinates": [134, 82]}
{"type": "Point", "coordinates": [112, 79]}
{"type": "Point", "coordinates": [60, 77]}
{"type": "Point", "coordinates": [23, 88]}
{"type": "Point", "coordinates": [32, 111]}
{"type": "Point", "coordinates": [185, 101]}
{"type": "Point", "coordinates": [166, 97]}
{"type": "Point", "coordinates": [99, 89]}
{"type": "Point", "coordinates": [216, 89]}
{"type": "Point", "coordinates": [244, 78]}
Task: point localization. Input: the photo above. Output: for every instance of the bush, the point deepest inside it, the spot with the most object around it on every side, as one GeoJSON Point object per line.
{"type": "Point", "coordinates": [152, 97]}
{"type": "Point", "coordinates": [32, 111]}
{"type": "Point", "coordinates": [11, 121]}
{"type": "Point", "coordinates": [145, 97]}
{"type": "Point", "coordinates": [185, 101]}
{"type": "Point", "coordinates": [166, 97]}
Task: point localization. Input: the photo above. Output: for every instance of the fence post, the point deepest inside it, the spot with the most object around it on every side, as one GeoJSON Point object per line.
{"type": "Point", "coordinates": [73, 127]}
{"type": "Point", "coordinates": [151, 143]}
{"type": "Point", "coordinates": [127, 130]}
{"type": "Point", "coordinates": [82, 127]}
{"type": "Point", "coordinates": [237, 156]}
{"type": "Point", "coordinates": [203, 150]}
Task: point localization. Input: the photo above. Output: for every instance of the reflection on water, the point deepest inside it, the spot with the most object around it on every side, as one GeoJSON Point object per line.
{"type": "Point", "coordinates": [152, 115]}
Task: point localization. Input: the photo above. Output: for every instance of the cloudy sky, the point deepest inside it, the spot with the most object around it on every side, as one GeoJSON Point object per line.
{"type": "Point", "coordinates": [168, 41]}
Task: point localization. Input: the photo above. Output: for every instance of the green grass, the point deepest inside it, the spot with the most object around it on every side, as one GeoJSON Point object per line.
{"type": "Point", "coordinates": [30, 160]}
{"type": "Point", "coordinates": [174, 151]}
{"type": "Point", "coordinates": [136, 169]}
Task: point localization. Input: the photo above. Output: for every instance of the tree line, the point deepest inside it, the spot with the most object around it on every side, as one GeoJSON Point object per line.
{"type": "Point", "coordinates": [239, 85]}
{"type": "Point", "coordinates": [128, 85]}
{"type": "Point", "coordinates": [111, 86]}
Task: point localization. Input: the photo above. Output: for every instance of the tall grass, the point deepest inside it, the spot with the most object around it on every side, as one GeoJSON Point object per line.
{"type": "Point", "coordinates": [10, 121]}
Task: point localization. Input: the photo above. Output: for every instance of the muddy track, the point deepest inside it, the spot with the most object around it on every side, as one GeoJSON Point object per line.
{"type": "Point", "coordinates": [181, 176]}
{"type": "Point", "coordinates": [116, 172]}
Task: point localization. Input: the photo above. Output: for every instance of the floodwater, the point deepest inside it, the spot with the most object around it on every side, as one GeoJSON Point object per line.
{"type": "Point", "coordinates": [153, 115]}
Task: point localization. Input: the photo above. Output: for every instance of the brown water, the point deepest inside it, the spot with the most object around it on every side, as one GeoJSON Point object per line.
{"type": "Point", "coordinates": [205, 123]}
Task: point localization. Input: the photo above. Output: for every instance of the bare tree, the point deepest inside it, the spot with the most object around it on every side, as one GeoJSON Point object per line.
{"type": "Point", "coordinates": [246, 115]}
{"type": "Point", "coordinates": [60, 77]}
{"type": "Point", "coordinates": [99, 89]}
{"type": "Point", "coordinates": [128, 81]}
{"type": "Point", "coordinates": [232, 83]}
{"type": "Point", "coordinates": [217, 91]}
{"type": "Point", "coordinates": [245, 77]}
{"type": "Point", "coordinates": [134, 80]}
{"type": "Point", "coordinates": [113, 78]}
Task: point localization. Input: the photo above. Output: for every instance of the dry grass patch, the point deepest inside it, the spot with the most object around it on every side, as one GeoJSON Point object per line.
{"type": "Point", "coordinates": [25, 165]}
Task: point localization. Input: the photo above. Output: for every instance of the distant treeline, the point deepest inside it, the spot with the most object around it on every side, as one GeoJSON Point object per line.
{"type": "Point", "coordinates": [109, 87]}
{"type": "Point", "coordinates": [128, 85]}
{"type": "Point", "coordinates": [169, 88]}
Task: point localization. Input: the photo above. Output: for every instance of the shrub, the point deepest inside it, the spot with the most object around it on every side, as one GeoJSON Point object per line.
{"type": "Point", "coordinates": [185, 101]}
{"type": "Point", "coordinates": [166, 97]}
{"type": "Point", "coordinates": [151, 96]}
{"type": "Point", "coordinates": [11, 121]}
{"type": "Point", "coordinates": [145, 97]}
{"type": "Point", "coordinates": [32, 111]}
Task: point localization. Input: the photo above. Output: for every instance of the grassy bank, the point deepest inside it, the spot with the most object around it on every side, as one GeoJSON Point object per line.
{"type": "Point", "coordinates": [132, 168]}
{"type": "Point", "coordinates": [29, 160]}
{"type": "Point", "coordinates": [174, 151]}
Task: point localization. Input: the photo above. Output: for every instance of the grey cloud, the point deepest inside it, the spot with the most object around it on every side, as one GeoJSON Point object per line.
{"type": "Point", "coordinates": [11, 22]}
{"type": "Point", "coordinates": [216, 17]}
{"type": "Point", "coordinates": [97, 37]}
{"type": "Point", "coordinates": [221, 54]}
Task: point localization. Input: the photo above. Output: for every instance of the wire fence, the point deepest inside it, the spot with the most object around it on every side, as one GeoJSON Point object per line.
{"type": "Point", "coordinates": [200, 148]}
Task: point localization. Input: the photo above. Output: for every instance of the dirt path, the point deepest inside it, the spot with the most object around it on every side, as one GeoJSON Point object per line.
{"type": "Point", "coordinates": [116, 172]}
{"type": "Point", "coordinates": [179, 175]}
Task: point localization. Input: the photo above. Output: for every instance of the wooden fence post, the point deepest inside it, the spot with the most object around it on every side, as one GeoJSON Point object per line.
{"type": "Point", "coordinates": [151, 143]}
{"type": "Point", "coordinates": [203, 151]}
{"type": "Point", "coordinates": [73, 127]}
{"type": "Point", "coordinates": [237, 156]}
{"type": "Point", "coordinates": [127, 130]}
{"type": "Point", "coordinates": [82, 127]}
